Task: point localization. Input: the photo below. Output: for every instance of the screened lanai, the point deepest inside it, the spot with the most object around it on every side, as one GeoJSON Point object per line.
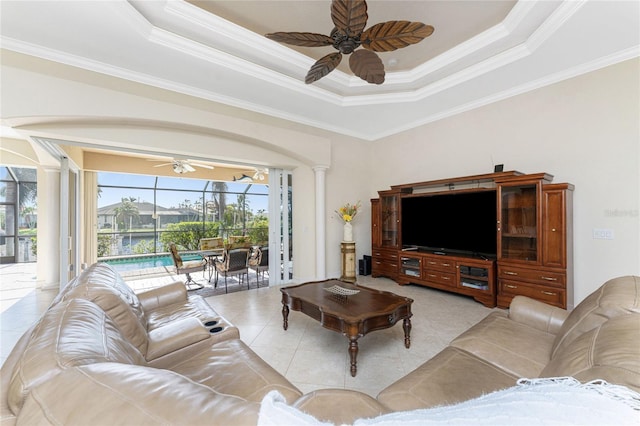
{"type": "Point", "coordinates": [18, 214]}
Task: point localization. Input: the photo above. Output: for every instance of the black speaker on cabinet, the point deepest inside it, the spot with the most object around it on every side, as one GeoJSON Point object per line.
{"type": "Point", "coordinates": [364, 265]}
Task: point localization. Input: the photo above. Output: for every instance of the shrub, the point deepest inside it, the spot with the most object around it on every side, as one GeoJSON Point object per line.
{"type": "Point", "coordinates": [188, 234]}
{"type": "Point", "coordinates": [259, 231]}
{"type": "Point", "coordinates": [104, 244]}
{"type": "Point", "coordinates": [143, 247]}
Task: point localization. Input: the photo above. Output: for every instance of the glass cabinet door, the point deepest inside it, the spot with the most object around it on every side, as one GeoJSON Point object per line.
{"type": "Point", "coordinates": [519, 228]}
{"type": "Point", "coordinates": [389, 220]}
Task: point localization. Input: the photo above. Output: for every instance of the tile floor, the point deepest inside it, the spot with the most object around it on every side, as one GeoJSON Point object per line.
{"type": "Point", "coordinates": [310, 356]}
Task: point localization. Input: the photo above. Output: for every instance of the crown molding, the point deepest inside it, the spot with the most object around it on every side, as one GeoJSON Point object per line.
{"type": "Point", "coordinates": [600, 63]}
{"type": "Point", "coordinates": [198, 54]}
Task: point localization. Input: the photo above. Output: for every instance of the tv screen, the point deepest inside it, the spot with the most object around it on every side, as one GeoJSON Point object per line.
{"type": "Point", "coordinates": [451, 223]}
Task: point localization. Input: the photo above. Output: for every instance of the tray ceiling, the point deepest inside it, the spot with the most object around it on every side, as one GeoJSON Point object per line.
{"type": "Point", "coordinates": [481, 52]}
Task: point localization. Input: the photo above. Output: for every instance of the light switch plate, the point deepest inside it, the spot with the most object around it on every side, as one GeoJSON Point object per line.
{"type": "Point", "coordinates": [602, 234]}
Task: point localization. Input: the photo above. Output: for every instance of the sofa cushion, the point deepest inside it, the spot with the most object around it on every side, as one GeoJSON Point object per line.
{"type": "Point", "coordinates": [559, 401]}
{"type": "Point", "coordinates": [520, 350]}
{"type": "Point", "coordinates": [131, 395]}
{"type": "Point", "coordinates": [451, 376]}
{"type": "Point", "coordinates": [231, 367]}
{"type": "Point", "coordinates": [193, 307]}
{"type": "Point", "coordinates": [339, 406]}
{"type": "Point", "coordinates": [102, 285]}
{"type": "Point", "coordinates": [616, 297]}
{"type": "Point", "coordinates": [175, 336]}
{"type": "Point", "coordinates": [71, 333]}
{"type": "Point", "coordinates": [609, 351]}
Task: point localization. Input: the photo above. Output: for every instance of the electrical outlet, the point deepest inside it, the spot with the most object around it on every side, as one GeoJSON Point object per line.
{"type": "Point", "coordinates": [602, 234]}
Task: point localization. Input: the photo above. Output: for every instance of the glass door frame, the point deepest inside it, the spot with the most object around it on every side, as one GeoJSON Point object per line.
{"type": "Point", "coordinates": [280, 227]}
{"type": "Point", "coordinates": [69, 220]}
{"type": "Point", "coordinates": [506, 187]}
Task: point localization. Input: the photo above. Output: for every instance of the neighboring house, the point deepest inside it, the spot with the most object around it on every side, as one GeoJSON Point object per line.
{"type": "Point", "coordinates": [145, 216]}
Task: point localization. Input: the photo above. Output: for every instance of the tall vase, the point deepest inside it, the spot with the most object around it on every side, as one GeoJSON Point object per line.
{"type": "Point", "coordinates": [347, 232]}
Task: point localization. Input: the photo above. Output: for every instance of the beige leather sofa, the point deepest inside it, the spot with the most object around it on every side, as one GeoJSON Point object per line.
{"type": "Point", "coordinates": [101, 354]}
{"type": "Point", "coordinates": [104, 355]}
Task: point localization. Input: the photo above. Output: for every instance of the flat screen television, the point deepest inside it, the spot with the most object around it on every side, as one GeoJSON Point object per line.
{"type": "Point", "coordinates": [457, 223]}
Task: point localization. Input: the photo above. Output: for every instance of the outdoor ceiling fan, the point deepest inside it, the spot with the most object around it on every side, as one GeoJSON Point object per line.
{"type": "Point", "coordinates": [259, 175]}
{"type": "Point", "coordinates": [349, 19]}
{"type": "Point", "coordinates": [183, 166]}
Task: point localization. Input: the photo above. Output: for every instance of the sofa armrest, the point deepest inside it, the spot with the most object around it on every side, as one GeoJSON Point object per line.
{"type": "Point", "coordinates": [174, 336]}
{"type": "Point", "coordinates": [163, 296]}
{"type": "Point", "coordinates": [537, 314]}
{"type": "Point", "coordinates": [339, 406]}
{"type": "Point", "coordinates": [7, 417]}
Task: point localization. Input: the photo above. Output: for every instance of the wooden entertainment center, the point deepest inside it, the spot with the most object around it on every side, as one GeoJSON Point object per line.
{"type": "Point", "coordinates": [533, 234]}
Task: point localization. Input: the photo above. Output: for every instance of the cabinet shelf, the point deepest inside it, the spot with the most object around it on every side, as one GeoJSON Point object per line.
{"type": "Point", "coordinates": [510, 235]}
{"type": "Point", "coordinates": [474, 284]}
{"type": "Point", "coordinates": [474, 277]}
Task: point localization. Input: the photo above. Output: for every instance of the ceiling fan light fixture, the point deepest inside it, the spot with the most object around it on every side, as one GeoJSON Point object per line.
{"type": "Point", "coordinates": [179, 168]}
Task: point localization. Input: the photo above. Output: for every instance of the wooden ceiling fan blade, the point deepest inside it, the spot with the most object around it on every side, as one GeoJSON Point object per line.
{"type": "Point", "coordinates": [301, 39]}
{"type": "Point", "coordinates": [367, 65]}
{"type": "Point", "coordinates": [323, 66]}
{"type": "Point", "coordinates": [349, 16]}
{"type": "Point", "coordinates": [392, 35]}
{"type": "Point", "coordinates": [163, 164]}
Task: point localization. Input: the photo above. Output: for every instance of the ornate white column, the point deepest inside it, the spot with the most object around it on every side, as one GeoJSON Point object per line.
{"type": "Point", "coordinates": [48, 265]}
{"type": "Point", "coordinates": [321, 261]}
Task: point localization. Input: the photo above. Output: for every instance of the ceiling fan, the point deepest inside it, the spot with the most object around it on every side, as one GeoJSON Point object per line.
{"type": "Point", "coordinates": [183, 166]}
{"type": "Point", "coordinates": [259, 175]}
{"type": "Point", "coordinates": [349, 19]}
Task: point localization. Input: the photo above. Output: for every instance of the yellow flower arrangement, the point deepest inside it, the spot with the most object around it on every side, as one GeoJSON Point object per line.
{"type": "Point", "coordinates": [349, 211]}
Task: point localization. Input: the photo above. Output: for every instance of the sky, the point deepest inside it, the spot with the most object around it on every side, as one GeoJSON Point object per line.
{"type": "Point", "coordinates": [144, 193]}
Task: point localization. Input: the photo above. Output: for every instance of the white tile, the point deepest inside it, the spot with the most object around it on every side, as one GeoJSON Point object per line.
{"type": "Point", "coordinates": [322, 366]}
{"type": "Point", "coordinates": [278, 357]}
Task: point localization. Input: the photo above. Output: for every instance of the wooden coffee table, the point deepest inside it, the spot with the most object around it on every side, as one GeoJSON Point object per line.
{"type": "Point", "coordinates": [352, 315]}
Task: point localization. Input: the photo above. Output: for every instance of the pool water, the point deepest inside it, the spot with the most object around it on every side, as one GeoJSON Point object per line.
{"type": "Point", "coordinates": [146, 262]}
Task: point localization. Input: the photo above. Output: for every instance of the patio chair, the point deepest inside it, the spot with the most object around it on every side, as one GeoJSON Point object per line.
{"type": "Point", "coordinates": [259, 262]}
{"type": "Point", "coordinates": [238, 241]}
{"type": "Point", "coordinates": [211, 243]}
{"type": "Point", "coordinates": [233, 262]}
{"type": "Point", "coordinates": [187, 268]}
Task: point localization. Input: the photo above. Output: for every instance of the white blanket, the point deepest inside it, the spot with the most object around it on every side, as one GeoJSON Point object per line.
{"type": "Point", "coordinates": [552, 401]}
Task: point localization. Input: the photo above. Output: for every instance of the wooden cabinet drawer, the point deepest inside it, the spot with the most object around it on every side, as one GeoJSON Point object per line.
{"type": "Point", "coordinates": [509, 289]}
{"type": "Point", "coordinates": [384, 262]}
{"type": "Point", "coordinates": [384, 267]}
{"type": "Point", "coordinates": [436, 263]}
{"type": "Point", "coordinates": [540, 276]}
{"type": "Point", "coordinates": [439, 277]}
{"type": "Point", "coordinates": [388, 256]}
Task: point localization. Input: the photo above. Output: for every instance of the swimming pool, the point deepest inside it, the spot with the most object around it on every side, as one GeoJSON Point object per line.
{"type": "Point", "coordinates": [125, 264]}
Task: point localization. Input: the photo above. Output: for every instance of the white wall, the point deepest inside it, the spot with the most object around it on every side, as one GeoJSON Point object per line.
{"type": "Point", "coordinates": [584, 131]}
{"type": "Point", "coordinates": [57, 101]}
{"type": "Point", "coordinates": [347, 182]}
